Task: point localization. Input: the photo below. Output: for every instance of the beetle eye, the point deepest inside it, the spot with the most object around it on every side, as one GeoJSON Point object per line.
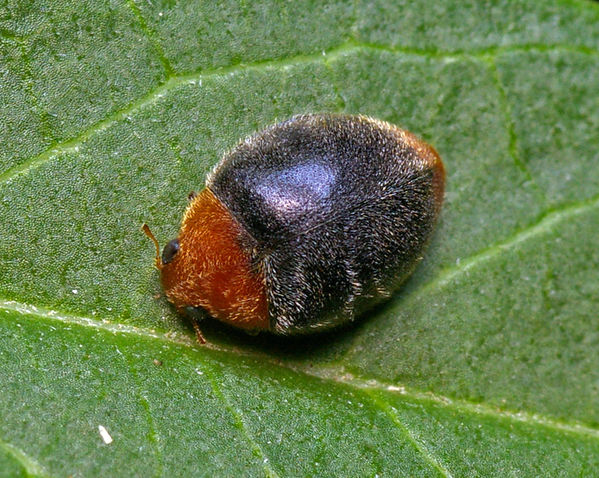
{"type": "Point", "coordinates": [169, 251]}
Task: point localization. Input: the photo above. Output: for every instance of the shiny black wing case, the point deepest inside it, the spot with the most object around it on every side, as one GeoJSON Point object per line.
{"type": "Point", "coordinates": [338, 209]}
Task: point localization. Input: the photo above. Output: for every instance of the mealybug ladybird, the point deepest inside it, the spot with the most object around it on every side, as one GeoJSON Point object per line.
{"type": "Point", "coordinates": [304, 225]}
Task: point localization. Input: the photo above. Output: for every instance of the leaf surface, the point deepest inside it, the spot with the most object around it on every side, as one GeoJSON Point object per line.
{"type": "Point", "coordinates": [485, 363]}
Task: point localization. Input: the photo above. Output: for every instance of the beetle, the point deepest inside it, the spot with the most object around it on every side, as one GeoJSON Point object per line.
{"type": "Point", "coordinates": [304, 225]}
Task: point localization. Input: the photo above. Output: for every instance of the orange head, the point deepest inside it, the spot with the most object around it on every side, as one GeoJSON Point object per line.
{"type": "Point", "coordinates": [206, 266]}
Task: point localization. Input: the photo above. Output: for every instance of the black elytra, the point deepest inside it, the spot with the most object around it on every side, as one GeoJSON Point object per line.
{"type": "Point", "coordinates": [337, 210]}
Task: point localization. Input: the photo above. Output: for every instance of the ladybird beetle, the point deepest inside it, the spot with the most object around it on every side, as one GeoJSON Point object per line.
{"type": "Point", "coordinates": [304, 225]}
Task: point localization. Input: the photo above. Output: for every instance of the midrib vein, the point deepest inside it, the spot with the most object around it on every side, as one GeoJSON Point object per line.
{"type": "Point", "coordinates": [335, 374]}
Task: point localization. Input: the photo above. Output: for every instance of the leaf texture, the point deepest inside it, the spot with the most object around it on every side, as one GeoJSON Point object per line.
{"type": "Point", "coordinates": [485, 364]}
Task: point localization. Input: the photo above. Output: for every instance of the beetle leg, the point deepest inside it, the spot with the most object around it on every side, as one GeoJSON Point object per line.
{"type": "Point", "coordinates": [196, 315]}
{"type": "Point", "coordinates": [199, 335]}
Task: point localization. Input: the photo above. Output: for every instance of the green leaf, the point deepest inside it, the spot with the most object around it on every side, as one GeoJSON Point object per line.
{"type": "Point", "coordinates": [485, 364]}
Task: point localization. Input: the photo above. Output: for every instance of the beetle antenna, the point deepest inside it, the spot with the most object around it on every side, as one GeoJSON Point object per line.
{"type": "Point", "coordinates": [148, 233]}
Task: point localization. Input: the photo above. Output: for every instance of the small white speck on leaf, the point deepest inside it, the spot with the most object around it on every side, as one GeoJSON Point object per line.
{"type": "Point", "coordinates": [75, 291]}
{"type": "Point", "coordinates": [105, 435]}
{"type": "Point", "coordinates": [393, 388]}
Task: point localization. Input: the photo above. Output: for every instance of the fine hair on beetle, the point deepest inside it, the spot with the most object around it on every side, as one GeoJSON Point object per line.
{"type": "Point", "coordinates": [304, 225]}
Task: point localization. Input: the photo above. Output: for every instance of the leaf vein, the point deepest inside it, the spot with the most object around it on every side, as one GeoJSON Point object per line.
{"type": "Point", "coordinates": [73, 144]}
{"type": "Point", "coordinates": [511, 131]}
{"type": "Point", "coordinates": [460, 405]}
{"type": "Point", "coordinates": [476, 53]}
{"type": "Point", "coordinates": [31, 466]}
{"type": "Point", "coordinates": [419, 445]}
{"type": "Point", "coordinates": [547, 220]}
{"type": "Point", "coordinates": [154, 437]}
{"type": "Point", "coordinates": [324, 373]}
{"type": "Point", "coordinates": [150, 36]}
{"type": "Point", "coordinates": [238, 417]}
